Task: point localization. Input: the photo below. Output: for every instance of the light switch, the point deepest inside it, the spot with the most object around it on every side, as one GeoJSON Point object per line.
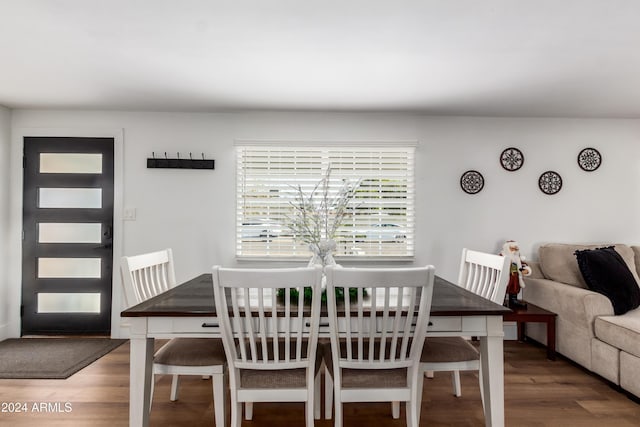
{"type": "Point", "coordinates": [129, 214]}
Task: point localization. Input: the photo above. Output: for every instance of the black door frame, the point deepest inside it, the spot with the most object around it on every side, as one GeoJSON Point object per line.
{"type": "Point", "coordinates": [119, 329]}
{"type": "Point", "coordinates": [33, 322]}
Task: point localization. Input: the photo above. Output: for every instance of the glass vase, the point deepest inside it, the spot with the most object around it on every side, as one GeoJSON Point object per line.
{"type": "Point", "coordinates": [322, 253]}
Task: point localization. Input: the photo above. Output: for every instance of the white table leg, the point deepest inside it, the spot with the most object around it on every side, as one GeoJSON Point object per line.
{"type": "Point", "coordinates": [140, 373]}
{"type": "Point", "coordinates": [492, 361]}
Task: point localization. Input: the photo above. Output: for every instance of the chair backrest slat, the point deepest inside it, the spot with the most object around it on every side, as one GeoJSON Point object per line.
{"type": "Point", "coordinates": [262, 328]}
{"type": "Point", "coordinates": [385, 321]}
{"type": "Point", "coordinates": [372, 327]}
{"type": "Point", "coordinates": [287, 325]}
{"type": "Point", "coordinates": [300, 315]}
{"type": "Point", "coordinates": [238, 323]}
{"type": "Point", "coordinates": [275, 326]}
{"type": "Point", "coordinates": [263, 332]}
{"type": "Point", "coordinates": [484, 274]}
{"type": "Point", "coordinates": [147, 275]}
{"type": "Point", "coordinates": [397, 319]}
{"type": "Point", "coordinates": [247, 331]}
{"type": "Point", "coordinates": [391, 309]}
{"type": "Point", "coordinates": [360, 331]}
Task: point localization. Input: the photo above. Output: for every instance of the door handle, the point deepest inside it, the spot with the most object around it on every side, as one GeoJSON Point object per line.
{"type": "Point", "coordinates": [108, 238]}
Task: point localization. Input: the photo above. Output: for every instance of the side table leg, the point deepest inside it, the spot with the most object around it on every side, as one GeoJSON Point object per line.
{"type": "Point", "coordinates": [551, 338]}
{"type": "Point", "coordinates": [521, 331]}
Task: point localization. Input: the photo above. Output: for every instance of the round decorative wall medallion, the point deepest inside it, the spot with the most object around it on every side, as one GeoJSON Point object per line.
{"type": "Point", "coordinates": [589, 159]}
{"type": "Point", "coordinates": [550, 182]}
{"type": "Point", "coordinates": [512, 159]}
{"type": "Point", "coordinates": [472, 182]}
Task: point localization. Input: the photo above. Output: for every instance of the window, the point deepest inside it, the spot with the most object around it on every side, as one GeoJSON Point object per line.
{"type": "Point", "coordinates": [381, 216]}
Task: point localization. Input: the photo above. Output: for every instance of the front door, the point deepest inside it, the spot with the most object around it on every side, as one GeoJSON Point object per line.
{"type": "Point", "coordinates": [67, 254]}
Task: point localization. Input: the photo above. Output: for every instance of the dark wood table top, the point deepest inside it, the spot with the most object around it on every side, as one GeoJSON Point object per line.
{"type": "Point", "coordinates": [195, 298]}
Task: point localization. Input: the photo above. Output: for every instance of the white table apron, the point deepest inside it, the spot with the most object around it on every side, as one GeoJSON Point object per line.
{"type": "Point", "coordinates": [145, 329]}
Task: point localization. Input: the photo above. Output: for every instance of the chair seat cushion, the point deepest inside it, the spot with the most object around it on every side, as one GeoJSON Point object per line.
{"type": "Point", "coordinates": [377, 378]}
{"type": "Point", "coordinates": [191, 352]}
{"type": "Point", "coordinates": [364, 378]}
{"type": "Point", "coordinates": [448, 349]}
{"type": "Point", "coordinates": [277, 378]}
{"type": "Point", "coordinates": [280, 378]}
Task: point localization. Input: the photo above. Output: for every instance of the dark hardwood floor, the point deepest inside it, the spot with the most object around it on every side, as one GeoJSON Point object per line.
{"type": "Point", "coordinates": [538, 392]}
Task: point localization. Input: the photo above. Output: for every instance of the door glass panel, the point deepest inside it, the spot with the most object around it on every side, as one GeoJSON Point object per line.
{"type": "Point", "coordinates": [49, 268]}
{"type": "Point", "coordinates": [89, 198]}
{"type": "Point", "coordinates": [57, 232]}
{"type": "Point", "coordinates": [68, 303]}
{"type": "Point", "coordinates": [70, 163]}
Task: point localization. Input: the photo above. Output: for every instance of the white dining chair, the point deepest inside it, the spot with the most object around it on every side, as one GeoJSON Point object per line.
{"type": "Point", "coordinates": [376, 358]}
{"type": "Point", "coordinates": [270, 335]}
{"type": "Point", "coordinates": [147, 275]}
{"type": "Point", "coordinates": [485, 275]}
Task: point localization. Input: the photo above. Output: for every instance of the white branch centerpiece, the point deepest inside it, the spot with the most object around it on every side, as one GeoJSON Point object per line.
{"type": "Point", "coordinates": [318, 215]}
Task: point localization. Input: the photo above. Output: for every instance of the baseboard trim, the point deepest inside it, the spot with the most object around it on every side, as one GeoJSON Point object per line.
{"type": "Point", "coordinates": [8, 330]}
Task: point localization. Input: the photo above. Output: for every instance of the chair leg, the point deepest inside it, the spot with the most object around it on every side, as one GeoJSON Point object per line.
{"type": "Point", "coordinates": [316, 395]}
{"type": "Point", "coordinates": [395, 409]}
{"type": "Point", "coordinates": [175, 384]}
{"type": "Point", "coordinates": [481, 390]}
{"type": "Point", "coordinates": [219, 399]}
{"type": "Point", "coordinates": [418, 404]}
{"type": "Point", "coordinates": [248, 411]}
{"type": "Point", "coordinates": [328, 395]}
{"type": "Point", "coordinates": [338, 413]}
{"type": "Point", "coordinates": [410, 414]}
{"type": "Point", "coordinates": [414, 404]}
{"type": "Point", "coordinates": [309, 405]}
{"type": "Point", "coordinates": [236, 411]}
{"type": "Point", "coordinates": [153, 384]}
{"type": "Point", "coordinates": [455, 378]}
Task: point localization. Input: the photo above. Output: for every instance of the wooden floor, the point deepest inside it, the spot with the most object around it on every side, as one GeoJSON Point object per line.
{"type": "Point", "coordinates": [538, 392]}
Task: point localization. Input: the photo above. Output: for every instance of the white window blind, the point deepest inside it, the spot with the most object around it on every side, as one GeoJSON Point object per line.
{"type": "Point", "coordinates": [380, 220]}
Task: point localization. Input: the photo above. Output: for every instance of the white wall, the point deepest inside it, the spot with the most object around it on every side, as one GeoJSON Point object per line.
{"type": "Point", "coordinates": [193, 211]}
{"type": "Point", "coordinates": [5, 139]}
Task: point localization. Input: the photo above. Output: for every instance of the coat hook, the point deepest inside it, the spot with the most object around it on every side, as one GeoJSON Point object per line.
{"type": "Point", "coordinates": [178, 154]}
{"type": "Point", "coordinates": [165, 155]}
{"type": "Point", "coordinates": [202, 156]}
{"type": "Point", "coordinates": [153, 154]}
{"type": "Point", "coordinates": [190, 156]}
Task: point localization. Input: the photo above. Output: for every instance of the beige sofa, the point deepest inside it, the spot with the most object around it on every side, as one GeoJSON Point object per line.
{"type": "Point", "coordinates": [587, 331]}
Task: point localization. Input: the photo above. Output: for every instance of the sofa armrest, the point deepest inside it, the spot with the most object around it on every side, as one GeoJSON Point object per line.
{"type": "Point", "coordinates": [576, 305]}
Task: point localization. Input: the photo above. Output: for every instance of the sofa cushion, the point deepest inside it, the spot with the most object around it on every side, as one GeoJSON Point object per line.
{"type": "Point", "coordinates": [636, 256]}
{"type": "Point", "coordinates": [558, 262]}
{"type": "Point", "coordinates": [630, 373]}
{"type": "Point", "coordinates": [622, 332]}
{"type": "Point", "coordinates": [605, 272]}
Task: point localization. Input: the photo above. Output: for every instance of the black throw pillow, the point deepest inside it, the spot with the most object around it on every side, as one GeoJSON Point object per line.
{"type": "Point", "coordinates": [605, 272]}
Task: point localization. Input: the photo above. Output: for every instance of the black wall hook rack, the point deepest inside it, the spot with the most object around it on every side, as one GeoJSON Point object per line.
{"type": "Point", "coordinates": [178, 163]}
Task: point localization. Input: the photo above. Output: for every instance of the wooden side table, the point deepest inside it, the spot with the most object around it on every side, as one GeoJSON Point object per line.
{"type": "Point", "coordinates": [533, 313]}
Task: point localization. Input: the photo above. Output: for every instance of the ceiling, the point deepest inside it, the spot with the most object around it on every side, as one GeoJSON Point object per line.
{"type": "Point", "coordinates": [568, 58]}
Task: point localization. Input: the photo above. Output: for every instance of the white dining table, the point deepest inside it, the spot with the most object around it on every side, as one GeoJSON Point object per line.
{"type": "Point", "coordinates": [188, 310]}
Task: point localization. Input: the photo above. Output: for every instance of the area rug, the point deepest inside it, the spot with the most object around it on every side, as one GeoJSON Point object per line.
{"type": "Point", "coordinates": [50, 358]}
